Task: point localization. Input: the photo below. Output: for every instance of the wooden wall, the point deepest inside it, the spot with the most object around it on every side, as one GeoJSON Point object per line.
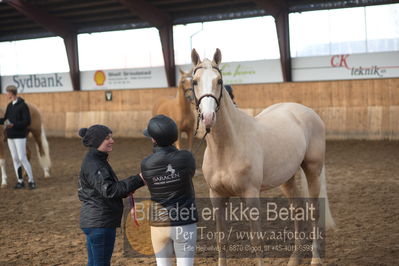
{"type": "Point", "coordinates": [356, 109]}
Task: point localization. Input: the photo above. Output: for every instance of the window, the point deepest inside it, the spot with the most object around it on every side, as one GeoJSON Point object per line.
{"type": "Point", "coordinates": [239, 40]}
{"type": "Point", "coordinates": [120, 49]}
{"type": "Point", "coordinates": [350, 30]}
{"type": "Point", "coordinates": [45, 55]}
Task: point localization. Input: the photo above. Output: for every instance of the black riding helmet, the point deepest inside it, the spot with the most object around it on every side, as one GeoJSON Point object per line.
{"type": "Point", "coordinates": [163, 129]}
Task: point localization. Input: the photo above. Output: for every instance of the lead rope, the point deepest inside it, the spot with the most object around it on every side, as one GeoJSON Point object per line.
{"type": "Point", "coordinates": [198, 120]}
{"type": "Point", "coordinates": [201, 141]}
{"type": "Point", "coordinates": [133, 209]}
{"type": "Point", "coordinates": [133, 205]}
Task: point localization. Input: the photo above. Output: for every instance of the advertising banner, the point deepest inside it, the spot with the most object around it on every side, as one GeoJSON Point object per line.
{"type": "Point", "coordinates": [346, 66]}
{"type": "Point", "coordinates": [53, 82]}
{"type": "Point", "coordinates": [261, 71]}
{"type": "Point", "coordinates": [133, 78]}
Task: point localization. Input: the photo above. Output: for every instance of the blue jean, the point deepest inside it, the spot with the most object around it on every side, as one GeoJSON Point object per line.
{"type": "Point", "coordinates": [100, 245]}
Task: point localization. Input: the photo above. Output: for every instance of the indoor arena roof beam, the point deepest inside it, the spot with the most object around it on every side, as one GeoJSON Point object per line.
{"type": "Point", "coordinates": [58, 27]}
{"type": "Point", "coordinates": [279, 10]}
{"type": "Point", "coordinates": [163, 22]}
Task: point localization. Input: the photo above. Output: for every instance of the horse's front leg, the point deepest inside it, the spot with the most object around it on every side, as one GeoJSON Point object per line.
{"type": "Point", "coordinates": [291, 191]}
{"type": "Point", "coordinates": [252, 201]}
{"type": "Point", "coordinates": [3, 173]}
{"type": "Point", "coordinates": [178, 141]}
{"type": "Point", "coordinates": [3, 164]}
{"type": "Point", "coordinates": [219, 207]}
{"type": "Point", "coordinates": [190, 135]}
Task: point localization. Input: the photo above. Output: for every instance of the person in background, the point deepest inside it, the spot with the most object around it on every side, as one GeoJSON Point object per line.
{"type": "Point", "coordinates": [17, 120]}
{"type": "Point", "coordinates": [101, 194]}
{"type": "Point", "coordinates": [229, 89]}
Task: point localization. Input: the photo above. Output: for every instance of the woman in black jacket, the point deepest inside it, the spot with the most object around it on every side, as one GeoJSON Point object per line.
{"type": "Point", "coordinates": [101, 194]}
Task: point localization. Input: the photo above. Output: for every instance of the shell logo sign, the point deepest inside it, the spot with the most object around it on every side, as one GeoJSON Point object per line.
{"type": "Point", "coordinates": [99, 77]}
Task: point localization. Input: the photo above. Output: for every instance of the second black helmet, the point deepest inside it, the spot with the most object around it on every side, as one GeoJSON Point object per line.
{"type": "Point", "coordinates": [162, 129]}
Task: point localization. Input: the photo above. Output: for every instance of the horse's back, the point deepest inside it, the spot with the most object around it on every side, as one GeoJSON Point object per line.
{"type": "Point", "coordinates": [292, 121]}
{"type": "Point", "coordinates": [36, 118]}
{"type": "Point", "coordinates": [162, 106]}
{"type": "Point", "coordinates": [277, 115]}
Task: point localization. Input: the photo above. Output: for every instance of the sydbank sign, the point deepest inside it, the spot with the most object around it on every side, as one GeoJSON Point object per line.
{"type": "Point", "coordinates": [53, 82]}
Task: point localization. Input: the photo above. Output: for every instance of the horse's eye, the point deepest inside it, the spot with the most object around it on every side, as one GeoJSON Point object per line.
{"type": "Point", "coordinates": [195, 83]}
{"type": "Point", "coordinates": [220, 81]}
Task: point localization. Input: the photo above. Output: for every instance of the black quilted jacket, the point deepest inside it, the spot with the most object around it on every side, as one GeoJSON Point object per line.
{"type": "Point", "coordinates": [168, 173]}
{"type": "Point", "coordinates": [101, 192]}
{"type": "Point", "coordinates": [19, 115]}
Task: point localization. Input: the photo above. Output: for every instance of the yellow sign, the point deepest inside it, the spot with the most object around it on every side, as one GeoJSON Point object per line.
{"type": "Point", "coordinates": [99, 77]}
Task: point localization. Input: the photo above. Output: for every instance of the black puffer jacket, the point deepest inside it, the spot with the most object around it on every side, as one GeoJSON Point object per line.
{"type": "Point", "coordinates": [19, 115]}
{"type": "Point", "coordinates": [101, 193]}
{"type": "Point", "coordinates": [168, 173]}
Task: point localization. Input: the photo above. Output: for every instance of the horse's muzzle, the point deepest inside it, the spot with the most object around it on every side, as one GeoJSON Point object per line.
{"type": "Point", "coordinates": [208, 119]}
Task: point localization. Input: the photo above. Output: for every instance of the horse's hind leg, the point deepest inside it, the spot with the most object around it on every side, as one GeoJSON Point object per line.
{"type": "Point", "coordinates": [37, 136]}
{"type": "Point", "coordinates": [312, 170]}
{"type": "Point", "coordinates": [291, 191]}
{"type": "Point", "coordinates": [42, 149]}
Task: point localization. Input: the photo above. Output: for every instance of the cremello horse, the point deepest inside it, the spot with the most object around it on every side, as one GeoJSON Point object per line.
{"type": "Point", "coordinates": [245, 155]}
{"type": "Point", "coordinates": [179, 109]}
{"type": "Point", "coordinates": [39, 135]}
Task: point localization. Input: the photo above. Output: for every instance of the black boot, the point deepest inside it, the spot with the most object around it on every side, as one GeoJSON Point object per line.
{"type": "Point", "coordinates": [20, 177]}
{"type": "Point", "coordinates": [19, 185]}
{"type": "Point", "coordinates": [32, 185]}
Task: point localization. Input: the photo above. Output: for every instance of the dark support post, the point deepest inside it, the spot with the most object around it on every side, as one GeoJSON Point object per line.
{"type": "Point", "coordinates": [279, 10]}
{"type": "Point", "coordinates": [166, 35]}
{"type": "Point", "coordinates": [163, 22]}
{"type": "Point", "coordinates": [58, 27]}
{"type": "Point", "coordinates": [283, 35]}
{"type": "Point", "coordinates": [71, 45]}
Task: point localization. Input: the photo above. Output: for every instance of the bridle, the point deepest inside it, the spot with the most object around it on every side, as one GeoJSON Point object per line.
{"type": "Point", "coordinates": [186, 90]}
{"type": "Point", "coordinates": [198, 100]}
{"type": "Point", "coordinates": [217, 100]}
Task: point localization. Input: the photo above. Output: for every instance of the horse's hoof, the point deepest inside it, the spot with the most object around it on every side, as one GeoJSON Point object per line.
{"type": "Point", "coordinates": [294, 261]}
{"type": "Point", "coordinates": [222, 262]}
{"type": "Point", "coordinates": [46, 173]}
{"type": "Point", "coordinates": [316, 262]}
{"type": "Point", "coordinates": [3, 185]}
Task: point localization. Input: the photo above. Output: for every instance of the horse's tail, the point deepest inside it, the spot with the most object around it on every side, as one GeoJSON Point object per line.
{"type": "Point", "coordinates": [44, 157]}
{"type": "Point", "coordinates": [329, 221]}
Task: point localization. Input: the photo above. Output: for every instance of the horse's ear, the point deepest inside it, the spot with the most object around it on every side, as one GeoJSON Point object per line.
{"type": "Point", "coordinates": [195, 57]}
{"type": "Point", "coordinates": [181, 71]}
{"type": "Point", "coordinates": [217, 57]}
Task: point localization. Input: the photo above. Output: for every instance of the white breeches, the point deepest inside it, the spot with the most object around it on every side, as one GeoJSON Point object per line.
{"type": "Point", "coordinates": [18, 153]}
{"type": "Point", "coordinates": [170, 241]}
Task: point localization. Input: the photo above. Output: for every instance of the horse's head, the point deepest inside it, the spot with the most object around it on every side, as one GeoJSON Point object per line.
{"type": "Point", "coordinates": [185, 84]}
{"type": "Point", "coordinates": [207, 86]}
